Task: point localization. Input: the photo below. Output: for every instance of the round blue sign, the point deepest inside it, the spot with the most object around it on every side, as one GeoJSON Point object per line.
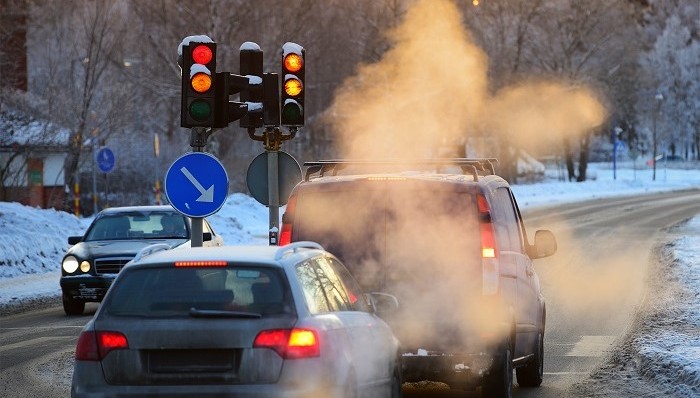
{"type": "Point", "coordinates": [105, 160]}
{"type": "Point", "coordinates": [196, 184]}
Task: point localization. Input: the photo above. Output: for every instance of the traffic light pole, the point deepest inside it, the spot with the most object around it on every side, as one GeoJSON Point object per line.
{"type": "Point", "coordinates": [272, 137]}
{"type": "Point", "coordinates": [198, 139]}
{"type": "Point", "coordinates": [273, 195]}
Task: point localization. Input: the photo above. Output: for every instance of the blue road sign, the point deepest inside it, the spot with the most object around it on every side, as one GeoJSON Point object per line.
{"type": "Point", "coordinates": [196, 184]}
{"type": "Point", "coordinates": [105, 159]}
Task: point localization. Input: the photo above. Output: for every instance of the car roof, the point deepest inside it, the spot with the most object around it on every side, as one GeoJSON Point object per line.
{"type": "Point", "coordinates": [127, 209]}
{"type": "Point", "coordinates": [257, 254]}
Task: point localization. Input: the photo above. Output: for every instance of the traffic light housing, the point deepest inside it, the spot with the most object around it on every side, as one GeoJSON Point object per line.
{"type": "Point", "coordinates": [199, 83]}
{"type": "Point", "coordinates": [251, 64]}
{"type": "Point", "coordinates": [293, 90]}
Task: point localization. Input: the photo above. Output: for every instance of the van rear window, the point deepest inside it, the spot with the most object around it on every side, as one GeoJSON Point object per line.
{"type": "Point", "coordinates": [388, 236]}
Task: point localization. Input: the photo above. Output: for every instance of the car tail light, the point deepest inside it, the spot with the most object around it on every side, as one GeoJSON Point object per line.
{"type": "Point", "coordinates": [287, 219]}
{"type": "Point", "coordinates": [290, 343]}
{"type": "Point", "coordinates": [94, 346]}
{"type": "Point", "coordinates": [489, 252]}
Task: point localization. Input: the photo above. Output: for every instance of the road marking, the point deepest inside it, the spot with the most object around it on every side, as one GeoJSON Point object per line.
{"type": "Point", "coordinates": [591, 346]}
{"type": "Point", "coordinates": [34, 343]}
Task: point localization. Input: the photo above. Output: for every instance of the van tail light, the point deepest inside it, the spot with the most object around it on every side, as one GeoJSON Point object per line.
{"type": "Point", "coordinates": [489, 252]}
{"type": "Point", "coordinates": [290, 343]}
{"type": "Point", "coordinates": [94, 346]}
{"type": "Point", "coordinates": [287, 220]}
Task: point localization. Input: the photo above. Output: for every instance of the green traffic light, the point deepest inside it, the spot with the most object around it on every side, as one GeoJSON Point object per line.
{"type": "Point", "coordinates": [200, 110]}
{"type": "Point", "coordinates": [292, 113]}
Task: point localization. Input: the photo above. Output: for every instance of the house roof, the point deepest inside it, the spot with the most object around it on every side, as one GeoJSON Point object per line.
{"type": "Point", "coordinates": [19, 130]}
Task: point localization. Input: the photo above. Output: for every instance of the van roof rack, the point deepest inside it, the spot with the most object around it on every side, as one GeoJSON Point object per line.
{"type": "Point", "coordinates": [473, 166]}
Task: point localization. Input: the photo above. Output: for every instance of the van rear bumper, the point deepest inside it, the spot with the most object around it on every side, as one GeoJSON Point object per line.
{"type": "Point", "coordinates": [457, 370]}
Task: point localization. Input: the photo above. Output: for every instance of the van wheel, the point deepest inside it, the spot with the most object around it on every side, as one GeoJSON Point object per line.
{"type": "Point", "coordinates": [499, 382]}
{"type": "Point", "coordinates": [350, 390]}
{"type": "Point", "coordinates": [73, 307]}
{"type": "Point", "coordinates": [396, 384]}
{"type": "Point", "coordinates": [531, 375]}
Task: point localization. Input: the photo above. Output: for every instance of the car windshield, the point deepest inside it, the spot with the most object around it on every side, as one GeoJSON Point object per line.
{"type": "Point", "coordinates": [245, 292]}
{"type": "Point", "coordinates": [138, 225]}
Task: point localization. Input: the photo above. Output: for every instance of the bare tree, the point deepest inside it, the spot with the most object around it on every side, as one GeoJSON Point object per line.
{"type": "Point", "coordinates": [82, 42]}
{"type": "Point", "coordinates": [581, 42]}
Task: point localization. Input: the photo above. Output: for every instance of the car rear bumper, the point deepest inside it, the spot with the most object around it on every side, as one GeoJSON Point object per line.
{"type": "Point", "coordinates": [294, 382]}
{"type": "Point", "coordinates": [86, 287]}
{"type": "Point", "coordinates": [238, 391]}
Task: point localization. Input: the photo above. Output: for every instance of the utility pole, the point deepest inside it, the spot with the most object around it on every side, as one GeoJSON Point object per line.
{"type": "Point", "coordinates": [659, 97]}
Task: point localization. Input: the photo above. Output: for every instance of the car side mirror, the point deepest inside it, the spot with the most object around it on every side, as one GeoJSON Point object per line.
{"type": "Point", "coordinates": [382, 303]}
{"type": "Point", "coordinates": [72, 240]}
{"type": "Point", "coordinates": [545, 244]}
{"type": "Point", "coordinates": [206, 236]}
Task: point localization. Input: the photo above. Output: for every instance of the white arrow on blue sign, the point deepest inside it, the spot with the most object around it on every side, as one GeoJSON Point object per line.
{"type": "Point", "coordinates": [105, 159]}
{"type": "Point", "coordinates": [196, 184]}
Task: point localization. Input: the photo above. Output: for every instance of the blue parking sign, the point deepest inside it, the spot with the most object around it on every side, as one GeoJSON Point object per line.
{"type": "Point", "coordinates": [196, 184]}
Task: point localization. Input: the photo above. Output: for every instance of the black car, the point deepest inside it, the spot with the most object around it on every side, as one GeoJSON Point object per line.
{"type": "Point", "coordinates": [115, 236]}
{"type": "Point", "coordinates": [446, 238]}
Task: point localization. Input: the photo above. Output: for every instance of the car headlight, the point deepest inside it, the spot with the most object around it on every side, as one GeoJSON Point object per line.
{"type": "Point", "coordinates": [85, 266]}
{"type": "Point", "coordinates": [70, 264]}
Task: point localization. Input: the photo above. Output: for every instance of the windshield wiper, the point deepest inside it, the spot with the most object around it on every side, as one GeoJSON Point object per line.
{"type": "Point", "coordinates": [196, 313]}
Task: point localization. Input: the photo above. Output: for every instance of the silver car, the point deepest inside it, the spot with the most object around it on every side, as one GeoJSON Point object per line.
{"type": "Point", "coordinates": [248, 321]}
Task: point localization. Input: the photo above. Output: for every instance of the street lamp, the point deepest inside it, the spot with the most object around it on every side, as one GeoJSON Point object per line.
{"type": "Point", "coordinates": [659, 97]}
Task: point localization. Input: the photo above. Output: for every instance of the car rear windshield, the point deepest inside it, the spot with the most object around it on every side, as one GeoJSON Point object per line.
{"type": "Point", "coordinates": [138, 225]}
{"type": "Point", "coordinates": [169, 291]}
{"type": "Point", "coordinates": [394, 234]}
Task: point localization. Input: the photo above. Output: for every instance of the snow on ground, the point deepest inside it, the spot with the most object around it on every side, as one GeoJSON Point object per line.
{"type": "Point", "coordinates": [32, 243]}
{"type": "Point", "coordinates": [672, 352]}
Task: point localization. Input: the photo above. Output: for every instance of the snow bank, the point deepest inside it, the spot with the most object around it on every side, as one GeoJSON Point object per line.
{"type": "Point", "coordinates": [33, 240]}
{"type": "Point", "coordinates": [671, 356]}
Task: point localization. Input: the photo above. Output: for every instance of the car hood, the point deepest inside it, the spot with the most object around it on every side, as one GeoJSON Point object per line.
{"type": "Point", "coordinates": [126, 248]}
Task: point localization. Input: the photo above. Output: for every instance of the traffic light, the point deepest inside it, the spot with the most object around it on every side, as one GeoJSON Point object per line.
{"type": "Point", "coordinates": [292, 98]}
{"type": "Point", "coordinates": [251, 58]}
{"type": "Point", "coordinates": [198, 65]}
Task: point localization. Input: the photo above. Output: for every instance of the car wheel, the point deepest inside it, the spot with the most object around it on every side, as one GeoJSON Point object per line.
{"type": "Point", "coordinates": [531, 374]}
{"type": "Point", "coordinates": [499, 382]}
{"type": "Point", "coordinates": [73, 307]}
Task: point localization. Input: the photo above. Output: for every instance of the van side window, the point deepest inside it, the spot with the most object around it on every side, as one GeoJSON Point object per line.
{"type": "Point", "coordinates": [506, 222]}
{"type": "Point", "coordinates": [314, 294]}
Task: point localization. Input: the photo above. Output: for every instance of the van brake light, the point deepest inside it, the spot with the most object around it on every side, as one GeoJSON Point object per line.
{"type": "Point", "coordinates": [287, 220]}
{"type": "Point", "coordinates": [489, 255]}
